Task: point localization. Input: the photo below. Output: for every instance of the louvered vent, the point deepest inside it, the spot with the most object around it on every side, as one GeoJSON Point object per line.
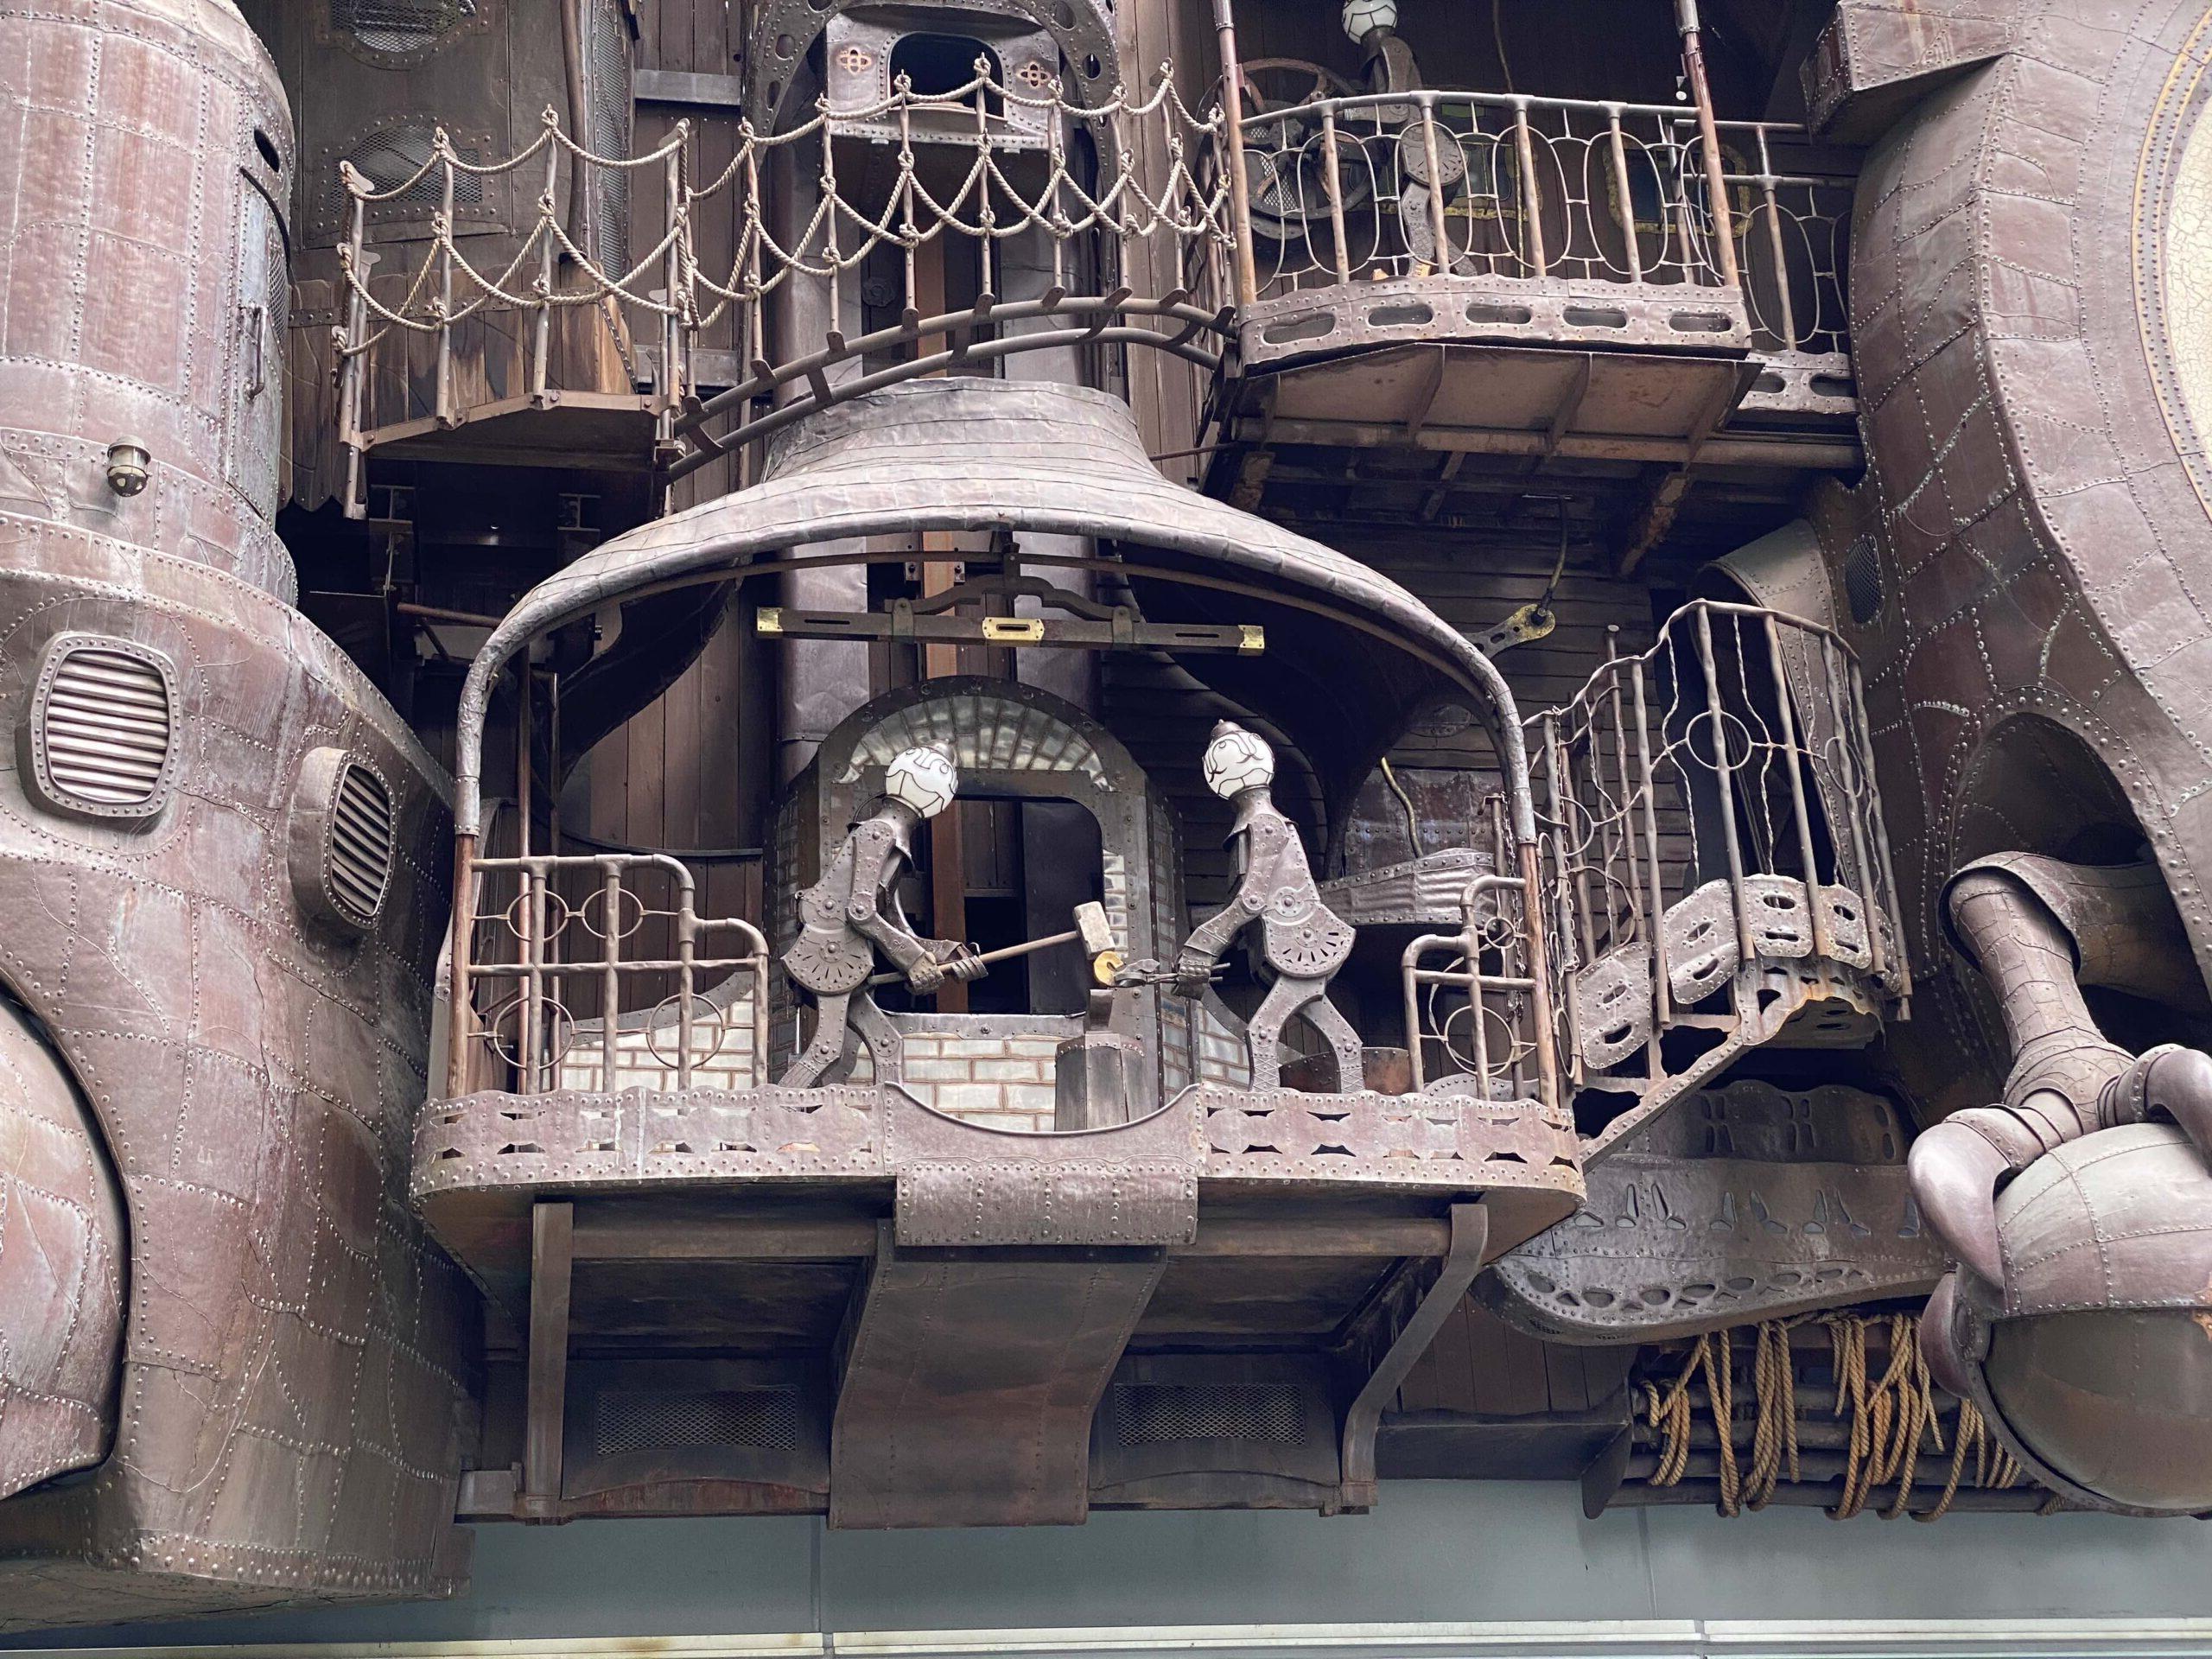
{"type": "Point", "coordinates": [103, 728]}
{"type": "Point", "coordinates": [360, 844]}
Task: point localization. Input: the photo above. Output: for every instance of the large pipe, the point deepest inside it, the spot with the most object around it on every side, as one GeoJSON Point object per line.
{"type": "Point", "coordinates": [1232, 106]}
{"type": "Point", "coordinates": [1716, 182]}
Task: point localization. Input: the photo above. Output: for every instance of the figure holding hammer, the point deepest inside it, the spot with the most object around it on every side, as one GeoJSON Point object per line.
{"type": "Point", "coordinates": [853, 911]}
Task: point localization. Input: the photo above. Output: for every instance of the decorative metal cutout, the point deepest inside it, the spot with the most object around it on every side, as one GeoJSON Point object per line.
{"type": "Point", "coordinates": [103, 728]}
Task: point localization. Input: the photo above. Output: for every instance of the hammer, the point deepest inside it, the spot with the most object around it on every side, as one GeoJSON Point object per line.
{"type": "Point", "coordinates": [1091, 929]}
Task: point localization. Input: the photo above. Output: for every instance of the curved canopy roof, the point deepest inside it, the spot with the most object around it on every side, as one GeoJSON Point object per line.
{"type": "Point", "coordinates": [1351, 654]}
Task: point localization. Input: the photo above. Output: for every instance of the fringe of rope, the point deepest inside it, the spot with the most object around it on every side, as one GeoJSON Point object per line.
{"type": "Point", "coordinates": [1890, 1419]}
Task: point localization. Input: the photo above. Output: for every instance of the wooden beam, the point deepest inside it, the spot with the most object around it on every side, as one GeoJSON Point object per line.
{"type": "Point", "coordinates": [552, 1229]}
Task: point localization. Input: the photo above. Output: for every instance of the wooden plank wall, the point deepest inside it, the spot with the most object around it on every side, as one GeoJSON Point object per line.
{"type": "Point", "coordinates": [690, 771]}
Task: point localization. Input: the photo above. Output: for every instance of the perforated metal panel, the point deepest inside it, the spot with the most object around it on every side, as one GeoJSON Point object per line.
{"type": "Point", "coordinates": [1862, 581]}
{"type": "Point", "coordinates": [361, 851]}
{"type": "Point", "coordinates": [663, 1420]}
{"type": "Point", "coordinates": [1148, 1414]}
{"type": "Point", "coordinates": [103, 728]}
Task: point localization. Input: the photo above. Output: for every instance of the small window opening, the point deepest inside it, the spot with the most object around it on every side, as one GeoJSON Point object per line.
{"type": "Point", "coordinates": [938, 65]}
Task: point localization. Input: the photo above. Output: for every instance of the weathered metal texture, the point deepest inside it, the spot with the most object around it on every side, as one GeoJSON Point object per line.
{"type": "Point", "coordinates": [2040, 534]}
{"type": "Point", "coordinates": [62, 1256]}
{"type": "Point", "coordinates": [1061, 459]}
{"type": "Point", "coordinates": [254, 1076]}
{"type": "Point", "coordinates": [288, 1399]}
{"type": "Point", "coordinates": [1747, 1203]}
{"type": "Point", "coordinates": [1308, 322]}
{"type": "Point", "coordinates": [968, 1396]}
{"type": "Point", "coordinates": [1424, 891]}
{"type": "Point", "coordinates": [1876, 56]}
{"type": "Point", "coordinates": [145, 162]}
{"type": "Point", "coordinates": [783, 32]}
{"type": "Point", "coordinates": [2090, 1359]}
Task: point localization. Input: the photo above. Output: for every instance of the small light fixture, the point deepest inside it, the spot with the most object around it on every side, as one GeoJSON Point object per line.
{"type": "Point", "coordinates": [128, 461]}
{"type": "Point", "coordinates": [1363, 18]}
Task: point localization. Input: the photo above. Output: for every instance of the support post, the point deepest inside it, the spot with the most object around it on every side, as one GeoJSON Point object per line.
{"type": "Point", "coordinates": [1232, 111]}
{"type": "Point", "coordinates": [1716, 182]}
{"type": "Point", "coordinates": [552, 1250]}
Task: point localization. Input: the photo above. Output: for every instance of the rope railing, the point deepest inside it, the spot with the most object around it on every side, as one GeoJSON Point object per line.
{"type": "Point", "coordinates": [1049, 224]}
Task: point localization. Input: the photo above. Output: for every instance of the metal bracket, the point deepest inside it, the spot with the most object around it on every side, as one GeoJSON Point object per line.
{"type": "Point", "coordinates": [1446, 1282]}
{"type": "Point", "coordinates": [1532, 621]}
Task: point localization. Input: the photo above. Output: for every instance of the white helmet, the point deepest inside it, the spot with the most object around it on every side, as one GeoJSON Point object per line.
{"type": "Point", "coordinates": [1363, 15]}
{"type": "Point", "coordinates": [923, 779]}
{"type": "Point", "coordinates": [1238, 761]}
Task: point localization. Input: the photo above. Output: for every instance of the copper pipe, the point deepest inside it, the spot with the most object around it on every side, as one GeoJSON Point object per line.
{"type": "Point", "coordinates": [1232, 106]}
{"type": "Point", "coordinates": [1716, 183]}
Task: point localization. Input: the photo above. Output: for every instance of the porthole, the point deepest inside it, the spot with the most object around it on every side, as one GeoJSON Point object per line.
{"type": "Point", "coordinates": [345, 840]}
{"type": "Point", "coordinates": [101, 739]}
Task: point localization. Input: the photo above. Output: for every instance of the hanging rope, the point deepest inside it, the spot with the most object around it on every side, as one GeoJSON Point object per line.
{"type": "Point", "coordinates": [1889, 1419]}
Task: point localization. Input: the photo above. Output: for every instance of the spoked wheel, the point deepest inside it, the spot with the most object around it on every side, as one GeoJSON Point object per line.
{"type": "Point", "coordinates": [1286, 166]}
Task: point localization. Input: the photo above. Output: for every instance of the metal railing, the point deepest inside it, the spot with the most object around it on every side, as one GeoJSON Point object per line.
{"type": "Point", "coordinates": [1708, 805]}
{"type": "Point", "coordinates": [1527, 188]}
{"type": "Point", "coordinates": [1471, 1002]}
{"type": "Point", "coordinates": [503, 312]}
{"type": "Point", "coordinates": [557, 947]}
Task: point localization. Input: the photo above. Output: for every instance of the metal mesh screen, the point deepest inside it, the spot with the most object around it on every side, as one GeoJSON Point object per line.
{"type": "Point", "coordinates": [1862, 581]}
{"type": "Point", "coordinates": [392, 154]}
{"type": "Point", "coordinates": [660, 1419]}
{"type": "Point", "coordinates": [1147, 1414]}
{"type": "Point", "coordinates": [607, 122]}
{"type": "Point", "coordinates": [399, 28]}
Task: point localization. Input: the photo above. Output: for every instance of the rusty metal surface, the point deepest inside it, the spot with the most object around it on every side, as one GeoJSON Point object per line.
{"type": "Point", "coordinates": [135, 298]}
{"type": "Point", "coordinates": [62, 1262]}
{"type": "Point", "coordinates": [968, 1397]}
{"type": "Point", "coordinates": [2006, 376]}
{"type": "Point", "coordinates": [1875, 55]}
{"type": "Point", "coordinates": [249, 1073]}
{"type": "Point", "coordinates": [1747, 1203]}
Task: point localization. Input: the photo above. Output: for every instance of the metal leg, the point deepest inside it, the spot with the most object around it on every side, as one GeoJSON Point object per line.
{"type": "Point", "coordinates": [882, 1038]}
{"type": "Point", "coordinates": [1326, 1018]}
{"type": "Point", "coordinates": [1263, 1035]}
{"type": "Point", "coordinates": [827, 1045]}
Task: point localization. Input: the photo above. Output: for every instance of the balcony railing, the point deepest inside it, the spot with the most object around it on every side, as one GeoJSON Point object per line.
{"type": "Point", "coordinates": [1715, 853]}
{"type": "Point", "coordinates": [1519, 189]}
{"type": "Point", "coordinates": [598, 973]}
{"type": "Point", "coordinates": [441, 331]}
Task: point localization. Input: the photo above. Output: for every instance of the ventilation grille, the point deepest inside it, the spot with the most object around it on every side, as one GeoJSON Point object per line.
{"type": "Point", "coordinates": [641, 1420]}
{"type": "Point", "coordinates": [390, 156]}
{"type": "Point", "coordinates": [399, 28]}
{"type": "Point", "coordinates": [1148, 1414]}
{"type": "Point", "coordinates": [607, 129]}
{"type": "Point", "coordinates": [360, 844]}
{"type": "Point", "coordinates": [106, 726]}
{"type": "Point", "coordinates": [1862, 581]}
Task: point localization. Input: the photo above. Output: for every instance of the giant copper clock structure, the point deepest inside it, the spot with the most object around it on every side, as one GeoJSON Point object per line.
{"type": "Point", "coordinates": [956, 762]}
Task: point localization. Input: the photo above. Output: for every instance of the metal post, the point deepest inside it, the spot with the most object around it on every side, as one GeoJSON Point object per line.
{"type": "Point", "coordinates": [444, 400]}
{"type": "Point", "coordinates": [1232, 106]}
{"type": "Point", "coordinates": [459, 988]}
{"type": "Point", "coordinates": [354, 368]}
{"type": "Point", "coordinates": [1620, 772]}
{"type": "Point", "coordinates": [1862, 869]}
{"type": "Point", "coordinates": [1532, 200]}
{"type": "Point", "coordinates": [1716, 183]}
{"type": "Point", "coordinates": [687, 935]}
{"type": "Point", "coordinates": [610, 972]}
{"type": "Point", "coordinates": [1881, 834]}
{"type": "Point", "coordinates": [541, 333]}
{"type": "Point", "coordinates": [1663, 993]}
{"type": "Point", "coordinates": [1799, 810]}
{"type": "Point", "coordinates": [1724, 769]}
{"type": "Point", "coordinates": [1540, 980]}
{"type": "Point", "coordinates": [1775, 242]}
{"type": "Point", "coordinates": [1621, 188]}
{"type": "Point", "coordinates": [1332, 186]}
{"type": "Point", "coordinates": [1434, 155]}
{"type": "Point", "coordinates": [669, 392]}
{"type": "Point", "coordinates": [1552, 762]}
